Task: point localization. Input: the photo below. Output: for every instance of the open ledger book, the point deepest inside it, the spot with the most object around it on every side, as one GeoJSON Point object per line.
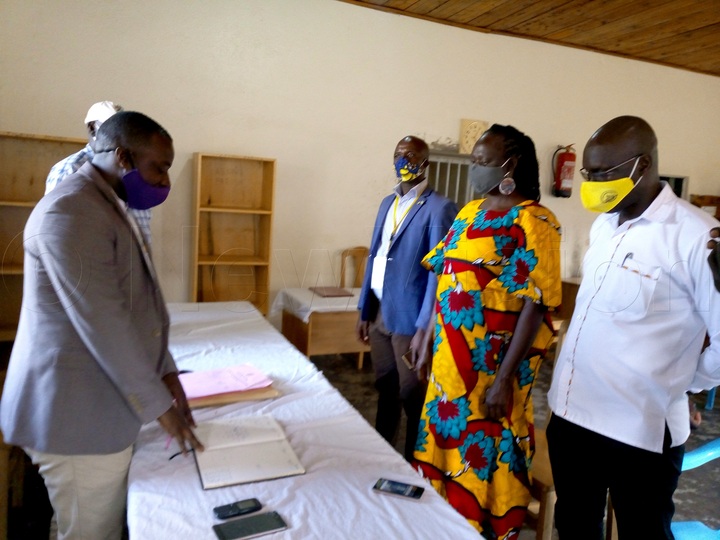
{"type": "Point", "coordinates": [244, 449]}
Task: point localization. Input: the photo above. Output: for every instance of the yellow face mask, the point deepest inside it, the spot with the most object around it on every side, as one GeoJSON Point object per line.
{"type": "Point", "coordinates": [604, 196]}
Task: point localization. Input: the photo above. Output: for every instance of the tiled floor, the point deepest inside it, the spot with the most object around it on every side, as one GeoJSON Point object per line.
{"type": "Point", "coordinates": [697, 497]}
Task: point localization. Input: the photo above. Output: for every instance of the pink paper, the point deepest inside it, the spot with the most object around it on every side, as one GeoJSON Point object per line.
{"type": "Point", "coordinates": [221, 381]}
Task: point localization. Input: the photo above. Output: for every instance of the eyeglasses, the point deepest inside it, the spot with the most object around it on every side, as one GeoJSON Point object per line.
{"type": "Point", "coordinates": [605, 175]}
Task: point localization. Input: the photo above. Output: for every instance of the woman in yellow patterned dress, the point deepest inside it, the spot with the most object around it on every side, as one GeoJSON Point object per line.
{"type": "Point", "coordinates": [498, 278]}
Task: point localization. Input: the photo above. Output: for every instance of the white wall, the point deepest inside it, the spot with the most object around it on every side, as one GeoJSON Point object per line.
{"type": "Point", "coordinates": [327, 89]}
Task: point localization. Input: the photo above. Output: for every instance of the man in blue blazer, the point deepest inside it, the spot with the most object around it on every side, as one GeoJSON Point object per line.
{"type": "Point", "coordinates": [90, 363]}
{"type": "Point", "coordinates": [398, 294]}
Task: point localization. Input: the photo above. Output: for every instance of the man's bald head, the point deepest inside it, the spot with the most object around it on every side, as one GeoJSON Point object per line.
{"type": "Point", "coordinates": [627, 136]}
{"type": "Point", "coordinates": [419, 146]}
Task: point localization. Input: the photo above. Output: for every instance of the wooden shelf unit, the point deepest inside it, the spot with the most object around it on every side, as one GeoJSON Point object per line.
{"type": "Point", "coordinates": [234, 204]}
{"type": "Point", "coordinates": [26, 161]}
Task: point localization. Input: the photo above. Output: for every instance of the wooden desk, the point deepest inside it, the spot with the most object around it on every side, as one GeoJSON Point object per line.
{"type": "Point", "coordinates": [325, 333]}
{"type": "Point", "coordinates": [569, 293]}
{"type": "Point", "coordinates": [317, 325]}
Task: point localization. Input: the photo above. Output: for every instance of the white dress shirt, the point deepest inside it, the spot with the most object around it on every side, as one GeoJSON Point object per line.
{"type": "Point", "coordinates": [633, 347]}
{"type": "Point", "coordinates": [395, 216]}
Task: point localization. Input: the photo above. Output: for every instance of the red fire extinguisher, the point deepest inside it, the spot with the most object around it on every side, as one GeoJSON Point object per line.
{"type": "Point", "coordinates": [563, 162]}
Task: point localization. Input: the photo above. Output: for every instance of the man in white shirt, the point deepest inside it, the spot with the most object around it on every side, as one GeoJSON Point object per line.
{"type": "Point", "coordinates": [634, 344]}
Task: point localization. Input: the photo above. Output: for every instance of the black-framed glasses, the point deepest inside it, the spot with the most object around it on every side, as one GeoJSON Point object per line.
{"type": "Point", "coordinates": [605, 175]}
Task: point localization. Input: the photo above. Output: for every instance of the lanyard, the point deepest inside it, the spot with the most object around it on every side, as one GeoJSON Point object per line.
{"type": "Point", "coordinates": [397, 223]}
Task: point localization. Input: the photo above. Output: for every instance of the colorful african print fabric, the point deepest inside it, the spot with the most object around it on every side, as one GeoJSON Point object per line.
{"type": "Point", "coordinates": [488, 265]}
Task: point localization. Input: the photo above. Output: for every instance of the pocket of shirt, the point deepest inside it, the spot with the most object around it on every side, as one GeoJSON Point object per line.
{"type": "Point", "coordinates": [626, 291]}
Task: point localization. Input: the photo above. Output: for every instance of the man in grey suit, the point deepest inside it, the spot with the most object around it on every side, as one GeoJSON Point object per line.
{"type": "Point", "coordinates": [90, 363]}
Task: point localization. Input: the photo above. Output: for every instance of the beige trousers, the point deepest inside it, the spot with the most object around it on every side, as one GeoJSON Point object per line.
{"type": "Point", "coordinates": [87, 493]}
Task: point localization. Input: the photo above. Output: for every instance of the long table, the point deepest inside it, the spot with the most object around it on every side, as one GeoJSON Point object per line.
{"type": "Point", "coordinates": [341, 452]}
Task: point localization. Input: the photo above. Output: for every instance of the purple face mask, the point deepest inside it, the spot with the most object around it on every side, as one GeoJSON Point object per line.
{"type": "Point", "coordinates": [140, 194]}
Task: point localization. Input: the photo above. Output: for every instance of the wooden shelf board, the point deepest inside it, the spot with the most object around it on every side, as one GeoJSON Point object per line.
{"type": "Point", "coordinates": [21, 204]}
{"type": "Point", "coordinates": [11, 270]}
{"type": "Point", "coordinates": [230, 210]}
{"type": "Point", "coordinates": [205, 260]}
{"type": "Point", "coordinates": [42, 138]}
{"type": "Point", "coordinates": [234, 157]}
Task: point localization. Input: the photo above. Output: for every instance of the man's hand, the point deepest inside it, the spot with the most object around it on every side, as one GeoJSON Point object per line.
{"type": "Point", "coordinates": [416, 345]}
{"type": "Point", "coordinates": [362, 330]}
{"type": "Point", "coordinates": [178, 428]}
{"type": "Point", "coordinates": [422, 353]}
{"type": "Point", "coordinates": [714, 257]}
{"type": "Point", "coordinates": [172, 381]}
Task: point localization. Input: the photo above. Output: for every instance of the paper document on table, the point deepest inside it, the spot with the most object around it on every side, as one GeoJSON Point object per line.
{"type": "Point", "coordinates": [221, 381]}
{"type": "Point", "coordinates": [226, 385]}
{"type": "Point", "coordinates": [244, 449]}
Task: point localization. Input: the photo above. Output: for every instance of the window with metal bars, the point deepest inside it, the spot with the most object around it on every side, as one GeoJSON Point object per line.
{"type": "Point", "coordinates": [448, 175]}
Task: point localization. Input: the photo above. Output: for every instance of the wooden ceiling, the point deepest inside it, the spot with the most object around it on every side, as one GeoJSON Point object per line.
{"type": "Point", "coordinates": [679, 33]}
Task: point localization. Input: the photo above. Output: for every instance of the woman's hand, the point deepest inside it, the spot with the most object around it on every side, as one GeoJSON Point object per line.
{"type": "Point", "coordinates": [499, 398]}
{"type": "Point", "coordinates": [422, 353]}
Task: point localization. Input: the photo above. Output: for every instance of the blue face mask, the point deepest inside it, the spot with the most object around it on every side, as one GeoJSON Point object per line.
{"type": "Point", "coordinates": [406, 171]}
{"type": "Point", "coordinates": [140, 194]}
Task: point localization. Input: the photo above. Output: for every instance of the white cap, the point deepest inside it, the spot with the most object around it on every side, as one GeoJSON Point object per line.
{"type": "Point", "coordinates": [101, 111]}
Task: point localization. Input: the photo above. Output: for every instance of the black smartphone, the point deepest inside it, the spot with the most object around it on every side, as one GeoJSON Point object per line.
{"type": "Point", "coordinates": [392, 487]}
{"type": "Point", "coordinates": [250, 526]}
{"type": "Point", "coordinates": [237, 508]}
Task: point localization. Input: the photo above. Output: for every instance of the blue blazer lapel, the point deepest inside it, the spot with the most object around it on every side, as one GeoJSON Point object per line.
{"type": "Point", "coordinates": [411, 214]}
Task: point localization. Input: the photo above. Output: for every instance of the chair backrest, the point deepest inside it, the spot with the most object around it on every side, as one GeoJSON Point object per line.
{"type": "Point", "coordinates": [700, 456]}
{"type": "Point", "coordinates": [358, 255]}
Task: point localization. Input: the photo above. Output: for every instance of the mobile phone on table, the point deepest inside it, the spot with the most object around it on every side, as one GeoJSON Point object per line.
{"type": "Point", "coordinates": [238, 508]}
{"type": "Point", "coordinates": [392, 487]}
{"type": "Point", "coordinates": [250, 526]}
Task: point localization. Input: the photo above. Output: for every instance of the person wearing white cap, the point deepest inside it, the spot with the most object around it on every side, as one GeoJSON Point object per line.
{"type": "Point", "coordinates": [97, 114]}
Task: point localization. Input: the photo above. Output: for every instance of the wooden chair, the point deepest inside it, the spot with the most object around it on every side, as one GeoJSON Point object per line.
{"type": "Point", "coordinates": [543, 487]}
{"type": "Point", "coordinates": [358, 256]}
{"type": "Point", "coordinates": [542, 490]}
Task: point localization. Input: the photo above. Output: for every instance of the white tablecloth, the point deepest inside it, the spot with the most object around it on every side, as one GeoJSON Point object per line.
{"type": "Point", "coordinates": [302, 302]}
{"type": "Point", "coordinates": [343, 455]}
